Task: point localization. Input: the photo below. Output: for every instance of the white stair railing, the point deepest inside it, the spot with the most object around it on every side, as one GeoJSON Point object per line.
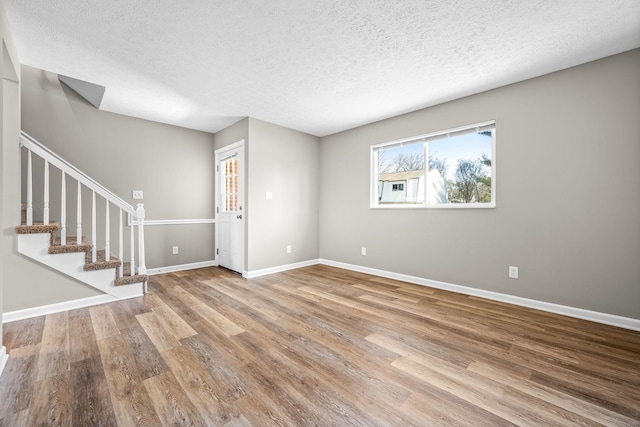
{"type": "Point", "coordinates": [107, 232]}
{"type": "Point", "coordinates": [63, 209]}
{"type": "Point", "coordinates": [45, 213]}
{"type": "Point", "coordinates": [79, 215]}
{"type": "Point", "coordinates": [93, 228]}
{"type": "Point", "coordinates": [136, 215]}
{"type": "Point", "coordinates": [121, 245]}
{"type": "Point", "coordinates": [29, 190]}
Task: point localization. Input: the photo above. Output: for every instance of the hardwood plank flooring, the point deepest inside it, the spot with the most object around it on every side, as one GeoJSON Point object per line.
{"type": "Point", "coordinates": [317, 346]}
{"type": "Point", "coordinates": [91, 399]}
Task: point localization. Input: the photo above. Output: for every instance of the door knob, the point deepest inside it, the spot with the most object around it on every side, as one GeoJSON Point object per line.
{"type": "Point", "coordinates": [239, 216]}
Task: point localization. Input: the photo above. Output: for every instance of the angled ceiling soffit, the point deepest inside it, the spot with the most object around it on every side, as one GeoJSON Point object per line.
{"type": "Point", "coordinates": [91, 92]}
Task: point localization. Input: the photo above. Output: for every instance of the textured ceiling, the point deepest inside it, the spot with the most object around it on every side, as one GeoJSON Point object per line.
{"type": "Point", "coordinates": [319, 66]}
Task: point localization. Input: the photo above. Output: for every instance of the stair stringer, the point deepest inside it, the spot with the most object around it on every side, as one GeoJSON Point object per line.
{"type": "Point", "coordinates": [36, 246]}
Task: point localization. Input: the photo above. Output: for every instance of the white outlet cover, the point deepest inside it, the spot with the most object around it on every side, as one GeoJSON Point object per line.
{"type": "Point", "coordinates": [513, 272]}
{"type": "Point", "coordinates": [269, 195]}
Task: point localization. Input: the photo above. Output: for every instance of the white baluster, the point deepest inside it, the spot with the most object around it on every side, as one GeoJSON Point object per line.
{"type": "Point", "coordinates": [107, 246]}
{"type": "Point", "coordinates": [120, 246]}
{"type": "Point", "coordinates": [133, 249]}
{"type": "Point", "coordinates": [45, 211]}
{"type": "Point", "coordinates": [29, 189]}
{"type": "Point", "coordinates": [142, 268]}
{"type": "Point", "coordinates": [63, 210]}
{"type": "Point", "coordinates": [93, 227]}
{"type": "Point", "coordinates": [79, 215]}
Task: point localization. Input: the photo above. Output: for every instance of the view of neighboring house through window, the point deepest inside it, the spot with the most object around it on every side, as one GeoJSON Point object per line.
{"type": "Point", "coordinates": [459, 170]}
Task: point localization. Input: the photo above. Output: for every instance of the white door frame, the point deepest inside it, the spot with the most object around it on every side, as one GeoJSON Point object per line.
{"type": "Point", "coordinates": [219, 154]}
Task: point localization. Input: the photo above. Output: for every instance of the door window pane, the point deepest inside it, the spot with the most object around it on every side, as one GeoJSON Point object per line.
{"type": "Point", "coordinates": [229, 184]}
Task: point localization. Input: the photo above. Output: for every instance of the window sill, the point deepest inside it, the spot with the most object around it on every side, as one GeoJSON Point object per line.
{"type": "Point", "coordinates": [447, 206]}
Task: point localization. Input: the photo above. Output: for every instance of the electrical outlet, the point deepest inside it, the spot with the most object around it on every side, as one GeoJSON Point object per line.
{"type": "Point", "coordinates": [364, 251]}
{"type": "Point", "coordinates": [175, 250]}
{"type": "Point", "coordinates": [513, 272]}
{"type": "Point", "coordinates": [137, 195]}
{"type": "Point", "coordinates": [288, 249]}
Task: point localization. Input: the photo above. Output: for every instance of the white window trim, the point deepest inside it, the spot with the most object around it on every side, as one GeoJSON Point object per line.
{"type": "Point", "coordinates": [375, 149]}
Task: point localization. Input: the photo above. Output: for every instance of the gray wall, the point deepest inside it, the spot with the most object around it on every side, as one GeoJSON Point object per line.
{"type": "Point", "coordinates": [26, 283]}
{"type": "Point", "coordinates": [567, 183]}
{"type": "Point", "coordinates": [568, 211]}
{"type": "Point", "coordinates": [234, 133]}
{"type": "Point", "coordinates": [172, 165]}
{"type": "Point", "coordinates": [284, 162]}
{"type": "Point", "coordinates": [10, 123]}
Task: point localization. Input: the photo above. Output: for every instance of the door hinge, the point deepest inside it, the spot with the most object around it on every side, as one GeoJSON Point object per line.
{"type": "Point", "coordinates": [217, 168]}
{"type": "Point", "coordinates": [217, 251]}
{"type": "Point", "coordinates": [217, 210]}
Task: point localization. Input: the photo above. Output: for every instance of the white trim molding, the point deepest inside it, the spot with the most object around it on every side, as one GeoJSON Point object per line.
{"type": "Point", "coordinates": [3, 358]}
{"type": "Point", "coordinates": [35, 247]}
{"type": "Point", "coordinates": [148, 222]}
{"type": "Point", "coordinates": [278, 269]}
{"type": "Point", "coordinates": [27, 313]}
{"type": "Point", "coordinates": [181, 267]}
{"type": "Point", "coordinates": [594, 316]}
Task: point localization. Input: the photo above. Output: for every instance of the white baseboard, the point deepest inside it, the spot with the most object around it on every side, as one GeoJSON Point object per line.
{"type": "Point", "coordinates": [594, 316]}
{"type": "Point", "coordinates": [181, 267]}
{"type": "Point", "coordinates": [27, 313]}
{"type": "Point", "coordinates": [3, 358]}
{"type": "Point", "coordinates": [35, 247]}
{"type": "Point", "coordinates": [278, 269]}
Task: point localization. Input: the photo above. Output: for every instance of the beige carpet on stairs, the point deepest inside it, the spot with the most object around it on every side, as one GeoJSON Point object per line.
{"type": "Point", "coordinates": [72, 246]}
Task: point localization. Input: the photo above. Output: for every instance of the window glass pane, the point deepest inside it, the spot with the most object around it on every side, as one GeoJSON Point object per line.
{"type": "Point", "coordinates": [401, 174]}
{"type": "Point", "coordinates": [465, 163]}
{"type": "Point", "coordinates": [229, 184]}
{"type": "Point", "coordinates": [459, 169]}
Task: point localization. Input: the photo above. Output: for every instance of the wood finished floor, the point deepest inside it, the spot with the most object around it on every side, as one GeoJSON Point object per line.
{"type": "Point", "coordinates": [318, 346]}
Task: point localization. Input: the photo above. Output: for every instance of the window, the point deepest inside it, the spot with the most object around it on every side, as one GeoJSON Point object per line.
{"type": "Point", "coordinates": [229, 184]}
{"type": "Point", "coordinates": [454, 168]}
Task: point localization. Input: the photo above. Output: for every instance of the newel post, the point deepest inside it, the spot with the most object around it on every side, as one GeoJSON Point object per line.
{"type": "Point", "coordinates": [29, 189]}
{"type": "Point", "coordinates": [142, 268]}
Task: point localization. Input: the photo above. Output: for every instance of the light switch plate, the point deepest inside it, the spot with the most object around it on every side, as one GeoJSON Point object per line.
{"type": "Point", "coordinates": [136, 195]}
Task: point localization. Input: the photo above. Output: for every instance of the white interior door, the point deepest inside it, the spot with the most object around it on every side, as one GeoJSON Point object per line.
{"type": "Point", "coordinates": [229, 207]}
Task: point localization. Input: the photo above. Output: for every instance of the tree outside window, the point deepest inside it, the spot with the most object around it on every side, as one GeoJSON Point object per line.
{"type": "Point", "coordinates": [459, 172]}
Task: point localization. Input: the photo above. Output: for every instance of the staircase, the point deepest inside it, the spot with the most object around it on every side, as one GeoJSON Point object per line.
{"type": "Point", "coordinates": [47, 242]}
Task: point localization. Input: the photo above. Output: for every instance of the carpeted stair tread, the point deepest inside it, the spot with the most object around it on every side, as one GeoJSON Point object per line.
{"type": "Point", "coordinates": [101, 262]}
{"type": "Point", "coordinates": [71, 246]}
{"type": "Point", "coordinates": [127, 278]}
{"type": "Point", "coordinates": [37, 228]}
